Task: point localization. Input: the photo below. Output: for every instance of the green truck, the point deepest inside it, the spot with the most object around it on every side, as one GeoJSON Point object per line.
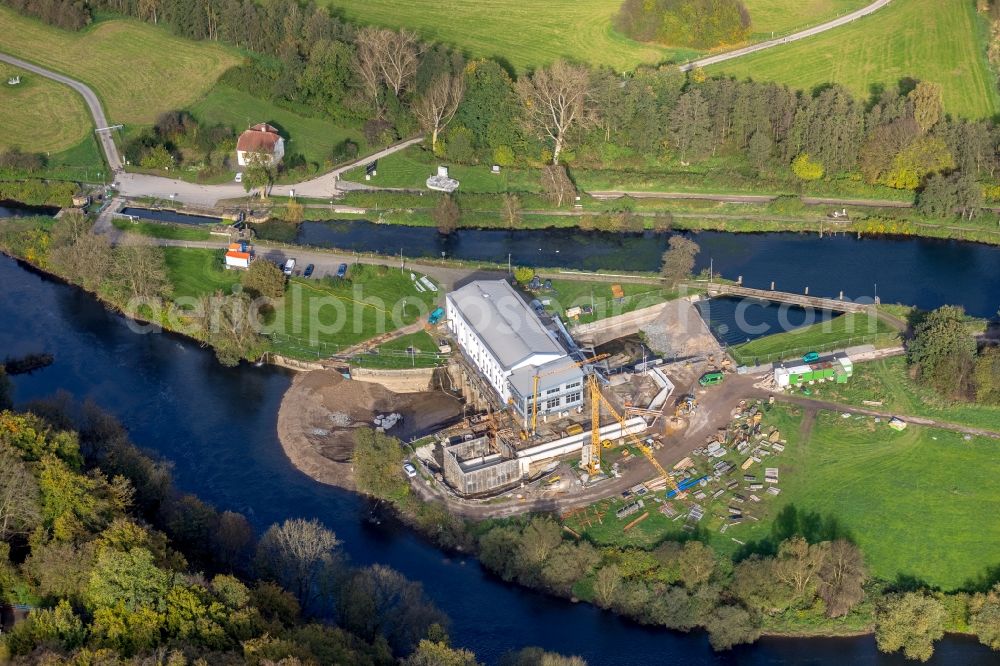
{"type": "Point", "coordinates": [711, 378]}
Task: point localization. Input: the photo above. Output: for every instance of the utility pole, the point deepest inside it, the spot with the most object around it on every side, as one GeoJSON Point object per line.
{"type": "Point", "coordinates": [711, 269]}
{"type": "Point", "coordinates": [508, 263]}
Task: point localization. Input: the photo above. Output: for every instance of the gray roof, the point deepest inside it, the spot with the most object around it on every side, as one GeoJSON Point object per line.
{"type": "Point", "coordinates": [503, 321]}
{"type": "Point", "coordinates": [550, 375]}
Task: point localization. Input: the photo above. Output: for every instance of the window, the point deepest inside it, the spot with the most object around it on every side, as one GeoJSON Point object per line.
{"type": "Point", "coordinates": [572, 386]}
{"type": "Point", "coordinates": [551, 391]}
{"type": "Point", "coordinates": [553, 403]}
{"type": "Point", "coordinates": [574, 397]}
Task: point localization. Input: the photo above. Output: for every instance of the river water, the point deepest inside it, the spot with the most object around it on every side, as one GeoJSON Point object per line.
{"type": "Point", "coordinates": [218, 427]}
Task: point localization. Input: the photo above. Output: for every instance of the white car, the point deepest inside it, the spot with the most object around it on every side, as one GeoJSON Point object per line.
{"type": "Point", "coordinates": [289, 267]}
{"type": "Point", "coordinates": [410, 470]}
{"type": "Point", "coordinates": [239, 177]}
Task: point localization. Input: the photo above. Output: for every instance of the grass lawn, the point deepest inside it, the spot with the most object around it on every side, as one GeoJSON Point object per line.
{"type": "Point", "coordinates": [40, 115]}
{"type": "Point", "coordinates": [410, 168]}
{"type": "Point", "coordinates": [932, 40]}
{"type": "Point", "coordinates": [320, 317]}
{"type": "Point", "coordinates": [784, 16]}
{"type": "Point", "coordinates": [138, 70]}
{"type": "Point", "coordinates": [920, 502]}
{"type": "Point", "coordinates": [887, 381]}
{"type": "Point", "coordinates": [566, 294]}
{"type": "Point", "coordinates": [313, 138]}
{"type": "Point", "coordinates": [196, 272]}
{"type": "Point", "coordinates": [843, 331]}
{"type": "Point", "coordinates": [396, 354]}
{"type": "Point", "coordinates": [157, 230]}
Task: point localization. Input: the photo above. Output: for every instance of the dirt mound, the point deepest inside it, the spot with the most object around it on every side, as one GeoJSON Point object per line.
{"type": "Point", "coordinates": [321, 411]}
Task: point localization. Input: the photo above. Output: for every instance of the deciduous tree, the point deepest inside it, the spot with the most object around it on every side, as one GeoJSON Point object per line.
{"type": "Point", "coordinates": [446, 214]}
{"type": "Point", "coordinates": [909, 622]}
{"type": "Point", "coordinates": [943, 353]}
{"type": "Point", "coordinates": [556, 184]}
{"type": "Point", "coordinates": [299, 554]}
{"type": "Point", "coordinates": [436, 107]}
{"type": "Point", "coordinates": [557, 99]}
{"type": "Point", "coordinates": [511, 210]}
{"type": "Point", "coordinates": [263, 279]}
{"type": "Point", "coordinates": [678, 260]}
{"type": "Point", "coordinates": [842, 576]}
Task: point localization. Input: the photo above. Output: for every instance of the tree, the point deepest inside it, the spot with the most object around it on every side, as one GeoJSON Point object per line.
{"type": "Point", "coordinates": [258, 173]}
{"type": "Point", "coordinates": [696, 564]}
{"type": "Point", "coordinates": [230, 325]}
{"type": "Point", "coordinates": [433, 653]}
{"type": "Point", "coordinates": [533, 656]}
{"type": "Point", "coordinates": [540, 537]}
{"type": "Point", "coordinates": [20, 510]}
{"type": "Point", "coordinates": [986, 617]}
{"type": "Point", "coordinates": [797, 565]}
{"type": "Point", "coordinates": [942, 353]}
{"type": "Point", "coordinates": [378, 465]}
{"type": "Point", "coordinates": [557, 185]}
{"type": "Point", "coordinates": [842, 576]}
{"type": "Point", "coordinates": [140, 272]}
{"type": "Point", "coordinates": [568, 564]}
{"type": "Point", "coordinates": [986, 376]}
{"type": "Point", "coordinates": [298, 554]}
{"type": "Point", "coordinates": [678, 260]}
{"type": "Point", "coordinates": [689, 125]}
{"type": "Point", "coordinates": [924, 155]}
{"type": "Point", "coordinates": [87, 261]}
{"type": "Point", "coordinates": [490, 110]}
{"type": "Point", "coordinates": [446, 215]}
{"type": "Point", "coordinates": [523, 274]}
{"type": "Point", "coordinates": [805, 168]}
{"type": "Point", "coordinates": [386, 58]}
{"type": "Point", "coordinates": [909, 622]}
{"type": "Point", "coordinates": [928, 106]}
{"type": "Point", "coordinates": [263, 279]}
{"type": "Point", "coordinates": [436, 107]}
{"type": "Point", "coordinates": [511, 210]}
{"type": "Point", "coordinates": [555, 100]}
{"type": "Point", "coordinates": [127, 580]}
{"type": "Point", "coordinates": [606, 583]}
{"type": "Point", "coordinates": [731, 625]}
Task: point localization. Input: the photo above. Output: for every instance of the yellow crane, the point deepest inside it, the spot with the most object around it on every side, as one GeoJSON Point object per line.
{"type": "Point", "coordinates": [534, 391]}
{"type": "Point", "coordinates": [596, 400]}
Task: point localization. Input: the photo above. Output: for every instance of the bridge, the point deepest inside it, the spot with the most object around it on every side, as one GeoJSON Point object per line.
{"type": "Point", "coordinates": [801, 300]}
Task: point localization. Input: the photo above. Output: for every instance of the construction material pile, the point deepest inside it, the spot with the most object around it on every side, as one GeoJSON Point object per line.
{"type": "Point", "coordinates": [384, 422]}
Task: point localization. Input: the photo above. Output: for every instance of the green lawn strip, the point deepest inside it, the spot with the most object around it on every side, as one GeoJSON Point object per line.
{"type": "Point", "coordinates": [929, 40]}
{"type": "Point", "coordinates": [313, 138]}
{"type": "Point", "coordinates": [846, 330]}
{"type": "Point", "coordinates": [887, 382]}
{"type": "Point", "coordinates": [157, 230]}
{"type": "Point", "coordinates": [396, 353]}
{"type": "Point", "coordinates": [319, 318]}
{"type": "Point", "coordinates": [567, 294]}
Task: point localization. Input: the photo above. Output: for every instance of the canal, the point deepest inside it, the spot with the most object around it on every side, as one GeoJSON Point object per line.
{"type": "Point", "coordinates": [218, 426]}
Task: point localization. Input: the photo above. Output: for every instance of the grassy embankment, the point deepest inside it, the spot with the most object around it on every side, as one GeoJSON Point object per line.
{"type": "Point", "coordinates": [918, 502]}
{"type": "Point", "coordinates": [930, 40]}
{"type": "Point", "coordinates": [319, 317]}
{"type": "Point", "coordinates": [567, 294]}
{"type": "Point", "coordinates": [48, 115]}
{"type": "Point", "coordinates": [846, 330]}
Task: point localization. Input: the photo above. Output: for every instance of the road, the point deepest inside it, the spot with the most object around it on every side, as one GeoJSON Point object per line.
{"type": "Point", "coordinates": [794, 37]}
{"type": "Point", "coordinates": [91, 99]}
{"type": "Point", "coordinates": [748, 198]}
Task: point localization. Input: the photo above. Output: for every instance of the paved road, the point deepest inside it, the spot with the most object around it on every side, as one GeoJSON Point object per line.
{"type": "Point", "coordinates": [93, 103]}
{"type": "Point", "coordinates": [748, 198]}
{"type": "Point", "coordinates": [794, 37]}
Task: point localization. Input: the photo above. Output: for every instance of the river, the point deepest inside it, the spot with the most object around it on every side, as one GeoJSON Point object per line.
{"type": "Point", "coordinates": [217, 426]}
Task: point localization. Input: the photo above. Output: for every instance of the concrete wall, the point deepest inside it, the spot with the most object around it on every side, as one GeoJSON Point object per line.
{"type": "Point", "coordinates": [576, 443]}
{"type": "Point", "coordinates": [471, 468]}
{"type": "Point", "coordinates": [605, 330]}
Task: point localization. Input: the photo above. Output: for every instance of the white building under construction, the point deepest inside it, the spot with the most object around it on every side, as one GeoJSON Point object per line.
{"type": "Point", "coordinates": [512, 350]}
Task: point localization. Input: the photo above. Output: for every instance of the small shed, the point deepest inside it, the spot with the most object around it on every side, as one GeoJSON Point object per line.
{"type": "Point", "coordinates": [239, 255]}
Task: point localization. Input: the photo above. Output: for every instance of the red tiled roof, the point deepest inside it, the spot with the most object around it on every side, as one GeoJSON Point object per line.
{"type": "Point", "coordinates": [259, 137]}
{"type": "Point", "coordinates": [238, 255]}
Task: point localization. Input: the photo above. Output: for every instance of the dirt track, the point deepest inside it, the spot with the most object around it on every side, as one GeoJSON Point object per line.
{"type": "Point", "coordinates": [321, 412]}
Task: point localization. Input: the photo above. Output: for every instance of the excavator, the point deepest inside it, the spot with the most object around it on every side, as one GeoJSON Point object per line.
{"type": "Point", "coordinates": [594, 465]}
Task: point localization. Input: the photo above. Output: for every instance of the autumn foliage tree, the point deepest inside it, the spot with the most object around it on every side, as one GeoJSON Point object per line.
{"type": "Point", "coordinates": [557, 99]}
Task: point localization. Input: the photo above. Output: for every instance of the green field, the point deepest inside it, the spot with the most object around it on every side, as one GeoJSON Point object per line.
{"type": "Point", "coordinates": [887, 381]}
{"type": "Point", "coordinates": [578, 293]}
{"type": "Point", "coordinates": [932, 40]}
{"type": "Point", "coordinates": [920, 503]}
{"type": "Point", "coordinates": [410, 168]}
{"type": "Point", "coordinates": [846, 330]}
{"type": "Point", "coordinates": [138, 70]}
{"type": "Point", "coordinates": [40, 115]}
{"type": "Point", "coordinates": [310, 137]}
{"type": "Point", "coordinates": [395, 354]}
{"type": "Point", "coordinates": [159, 230]}
{"type": "Point", "coordinates": [530, 34]}
{"type": "Point", "coordinates": [196, 273]}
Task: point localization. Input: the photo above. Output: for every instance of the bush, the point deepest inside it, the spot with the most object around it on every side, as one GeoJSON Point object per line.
{"type": "Point", "coordinates": [697, 24]}
{"type": "Point", "coordinates": [806, 168]}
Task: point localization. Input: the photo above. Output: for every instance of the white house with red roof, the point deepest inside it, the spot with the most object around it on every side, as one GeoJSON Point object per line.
{"type": "Point", "coordinates": [260, 138]}
{"type": "Point", "coordinates": [239, 255]}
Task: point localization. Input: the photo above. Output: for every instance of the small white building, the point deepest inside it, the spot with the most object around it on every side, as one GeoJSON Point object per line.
{"type": "Point", "coordinates": [239, 255]}
{"type": "Point", "coordinates": [441, 181]}
{"type": "Point", "coordinates": [260, 138]}
{"type": "Point", "coordinates": [509, 346]}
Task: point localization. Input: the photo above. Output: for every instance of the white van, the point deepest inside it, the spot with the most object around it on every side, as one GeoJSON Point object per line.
{"type": "Point", "coordinates": [239, 177]}
{"type": "Point", "coordinates": [289, 266]}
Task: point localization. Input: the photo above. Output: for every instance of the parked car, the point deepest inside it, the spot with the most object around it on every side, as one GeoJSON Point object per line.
{"type": "Point", "coordinates": [289, 267]}
{"type": "Point", "coordinates": [342, 270]}
{"type": "Point", "coordinates": [239, 177]}
{"type": "Point", "coordinates": [711, 378]}
{"type": "Point", "coordinates": [410, 470]}
{"type": "Point", "coordinates": [811, 357]}
{"type": "Point", "coordinates": [308, 271]}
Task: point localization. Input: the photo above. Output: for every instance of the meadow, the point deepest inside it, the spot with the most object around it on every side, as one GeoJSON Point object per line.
{"type": "Point", "coordinates": [40, 115]}
{"type": "Point", "coordinates": [842, 331]}
{"type": "Point", "coordinates": [138, 70]}
{"type": "Point", "coordinates": [931, 40]}
{"type": "Point", "coordinates": [528, 35]}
